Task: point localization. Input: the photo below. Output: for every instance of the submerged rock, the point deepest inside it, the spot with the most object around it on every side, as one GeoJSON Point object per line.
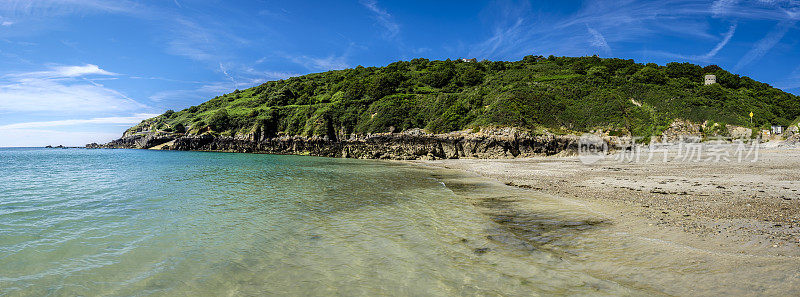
{"type": "Point", "coordinates": [480, 251]}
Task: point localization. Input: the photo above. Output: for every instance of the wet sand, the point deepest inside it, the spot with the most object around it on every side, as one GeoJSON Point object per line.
{"type": "Point", "coordinates": [728, 206]}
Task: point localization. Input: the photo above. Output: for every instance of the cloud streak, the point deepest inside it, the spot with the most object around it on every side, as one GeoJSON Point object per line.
{"type": "Point", "coordinates": [68, 71]}
{"type": "Point", "coordinates": [708, 56]}
{"type": "Point", "coordinates": [791, 82]}
{"type": "Point", "coordinates": [134, 119]}
{"type": "Point", "coordinates": [776, 10]}
{"type": "Point", "coordinates": [721, 7]}
{"type": "Point", "coordinates": [765, 45]}
{"type": "Point", "coordinates": [385, 19]}
{"type": "Point", "coordinates": [510, 28]}
{"type": "Point", "coordinates": [203, 92]}
{"type": "Point", "coordinates": [190, 33]}
{"type": "Point", "coordinates": [50, 8]}
{"type": "Point", "coordinates": [721, 44]}
{"type": "Point", "coordinates": [61, 89]}
{"type": "Point", "coordinates": [597, 40]}
{"type": "Point", "coordinates": [516, 29]}
{"type": "Point", "coordinates": [332, 62]}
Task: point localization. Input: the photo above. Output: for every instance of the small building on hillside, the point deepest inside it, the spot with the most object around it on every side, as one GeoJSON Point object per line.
{"type": "Point", "coordinates": [777, 130]}
{"type": "Point", "coordinates": [710, 79]}
{"type": "Point", "coordinates": [473, 60]}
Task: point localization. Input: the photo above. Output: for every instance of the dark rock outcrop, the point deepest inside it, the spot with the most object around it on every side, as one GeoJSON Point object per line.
{"type": "Point", "coordinates": [408, 145]}
{"type": "Point", "coordinates": [142, 140]}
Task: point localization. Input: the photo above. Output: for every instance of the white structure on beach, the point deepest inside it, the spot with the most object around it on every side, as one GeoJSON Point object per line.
{"type": "Point", "coordinates": [711, 79]}
{"type": "Point", "coordinates": [777, 130]}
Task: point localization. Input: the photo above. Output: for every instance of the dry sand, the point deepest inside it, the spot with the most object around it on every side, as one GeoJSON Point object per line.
{"type": "Point", "coordinates": [749, 207]}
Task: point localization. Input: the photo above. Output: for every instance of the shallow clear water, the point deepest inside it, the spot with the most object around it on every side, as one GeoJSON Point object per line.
{"type": "Point", "coordinates": [136, 222]}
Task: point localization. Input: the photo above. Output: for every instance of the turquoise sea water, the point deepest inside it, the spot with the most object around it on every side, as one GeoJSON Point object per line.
{"type": "Point", "coordinates": [141, 223]}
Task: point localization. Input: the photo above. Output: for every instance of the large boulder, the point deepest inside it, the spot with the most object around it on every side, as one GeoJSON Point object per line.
{"type": "Point", "coordinates": [791, 131]}
{"type": "Point", "coordinates": [792, 141]}
{"type": "Point", "coordinates": [737, 132]}
{"type": "Point", "coordinates": [682, 131]}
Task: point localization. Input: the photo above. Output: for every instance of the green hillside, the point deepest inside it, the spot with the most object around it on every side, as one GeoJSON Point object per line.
{"type": "Point", "coordinates": [560, 94]}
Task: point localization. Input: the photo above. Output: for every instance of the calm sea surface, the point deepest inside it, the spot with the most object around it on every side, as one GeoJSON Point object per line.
{"type": "Point", "coordinates": [140, 223]}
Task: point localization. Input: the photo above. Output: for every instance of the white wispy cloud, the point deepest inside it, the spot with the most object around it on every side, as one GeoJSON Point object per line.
{"type": "Point", "coordinates": [707, 57]}
{"type": "Point", "coordinates": [765, 45]}
{"type": "Point", "coordinates": [50, 8]}
{"type": "Point", "coordinates": [133, 119]}
{"type": "Point", "coordinates": [328, 63]}
{"type": "Point", "coordinates": [721, 7]}
{"type": "Point", "coordinates": [385, 19]}
{"type": "Point", "coordinates": [225, 71]}
{"type": "Point", "coordinates": [194, 35]}
{"type": "Point", "coordinates": [778, 10]}
{"type": "Point", "coordinates": [67, 71]}
{"type": "Point", "coordinates": [214, 45]}
{"type": "Point", "coordinates": [515, 28]}
{"type": "Point", "coordinates": [633, 16]}
{"type": "Point", "coordinates": [332, 62]}
{"type": "Point", "coordinates": [199, 37]}
{"type": "Point", "coordinates": [260, 76]}
{"type": "Point", "coordinates": [511, 29]}
{"type": "Point", "coordinates": [597, 40]}
{"type": "Point", "coordinates": [727, 38]}
{"type": "Point", "coordinates": [206, 91]}
{"type": "Point", "coordinates": [61, 89]}
{"type": "Point", "coordinates": [499, 40]}
{"type": "Point", "coordinates": [281, 14]}
{"type": "Point", "coordinates": [790, 82]}
{"type": "Point", "coordinates": [210, 90]}
{"type": "Point", "coordinates": [192, 41]}
{"type": "Point", "coordinates": [5, 22]}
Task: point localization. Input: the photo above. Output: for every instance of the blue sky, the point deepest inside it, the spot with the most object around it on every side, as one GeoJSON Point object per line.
{"type": "Point", "coordinates": [80, 71]}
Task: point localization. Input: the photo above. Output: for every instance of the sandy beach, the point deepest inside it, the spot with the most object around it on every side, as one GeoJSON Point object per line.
{"type": "Point", "coordinates": [747, 206]}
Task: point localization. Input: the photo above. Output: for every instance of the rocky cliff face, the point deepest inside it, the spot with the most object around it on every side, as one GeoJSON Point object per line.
{"type": "Point", "coordinates": [139, 141]}
{"type": "Point", "coordinates": [408, 145]}
{"type": "Point", "coordinates": [686, 131]}
{"type": "Point", "coordinates": [488, 143]}
{"type": "Point", "coordinates": [399, 146]}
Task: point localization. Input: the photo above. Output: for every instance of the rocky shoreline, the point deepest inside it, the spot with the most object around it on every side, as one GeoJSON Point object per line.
{"type": "Point", "coordinates": [416, 144]}
{"type": "Point", "coordinates": [407, 145]}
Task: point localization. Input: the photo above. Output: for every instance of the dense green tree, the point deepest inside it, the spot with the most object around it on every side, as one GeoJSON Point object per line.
{"type": "Point", "coordinates": [220, 120]}
{"type": "Point", "coordinates": [381, 86]}
{"type": "Point", "coordinates": [440, 75]}
{"type": "Point", "coordinates": [598, 71]}
{"type": "Point", "coordinates": [471, 76]}
{"type": "Point", "coordinates": [687, 70]}
{"type": "Point", "coordinates": [179, 128]}
{"type": "Point", "coordinates": [562, 94]}
{"type": "Point", "coordinates": [650, 75]}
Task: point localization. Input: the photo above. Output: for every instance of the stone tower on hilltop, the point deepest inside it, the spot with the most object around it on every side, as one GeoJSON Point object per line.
{"type": "Point", "coordinates": [711, 79]}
